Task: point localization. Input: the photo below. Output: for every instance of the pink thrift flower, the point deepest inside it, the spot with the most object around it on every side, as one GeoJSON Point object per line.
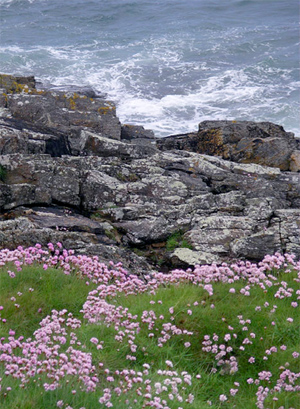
{"type": "Point", "coordinates": [227, 337]}
{"type": "Point", "coordinates": [223, 398]}
{"type": "Point", "coordinates": [233, 392]}
{"type": "Point", "coordinates": [11, 274]}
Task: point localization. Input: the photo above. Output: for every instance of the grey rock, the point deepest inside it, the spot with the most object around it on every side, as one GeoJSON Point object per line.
{"type": "Point", "coordinates": [97, 145]}
{"type": "Point", "coordinates": [190, 258]}
{"type": "Point", "coordinates": [250, 247]}
{"type": "Point", "coordinates": [58, 110]}
{"type": "Point", "coordinates": [24, 232]}
{"type": "Point", "coordinates": [12, 84]}
{"type": "Point", "coordinates": [240, 141]}
{"type": "Point", "coordinates": [16, 137]}
{"type": "Point", "coordinates": [129, 132]}
{"type": "Point", "coordinates": [288, 228]}
{"type": "Point", "coordinates": [217, 232]}
{"type": "Point", "coordinates": [65, 176]}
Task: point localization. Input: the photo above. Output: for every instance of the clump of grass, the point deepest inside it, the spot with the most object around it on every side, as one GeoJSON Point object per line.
{"type": "Point", "coordinates": [3, 173]}
{"type": "Point", "coordinates": [76, 334]}
{"type": "Point", "coordinates": [177, 240]}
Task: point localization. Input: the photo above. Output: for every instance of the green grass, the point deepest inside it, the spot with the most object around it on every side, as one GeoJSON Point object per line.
{"type": "Point", "coordinates": [3, 173]}
{"type": "Point", "coordinates": [177, 240]}
{"type": "Point", "coordinates": [213, 315]}
{"type": "Point", "coordinates": [52, 290]}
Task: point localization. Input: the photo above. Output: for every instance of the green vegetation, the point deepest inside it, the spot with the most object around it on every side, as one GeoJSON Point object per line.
{"type": "Point", "coordinates": [131, 177]}
{"type": "Point", "coordinates": [51, 290]}
{"type": "Point", "coordinates": [146, 341]}
{"type": "Point", "coordinates": [177, 240]}
{"type": "Point", "coordinates": [3, 173]}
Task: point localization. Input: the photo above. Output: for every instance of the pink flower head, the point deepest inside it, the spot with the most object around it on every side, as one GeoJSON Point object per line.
{"type": "Point", "coordinates": [223, 398]}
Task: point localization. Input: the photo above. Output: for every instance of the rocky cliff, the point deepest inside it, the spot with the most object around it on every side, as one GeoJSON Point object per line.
{"type": "Point", "coordinates": [71, 172]}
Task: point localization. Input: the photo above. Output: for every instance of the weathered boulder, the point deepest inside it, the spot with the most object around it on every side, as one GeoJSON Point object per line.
{"type": "Point", "coordinates": [67, 111]}
{"type": "Point", "coordinates": [17, 137]}
{"type": "Point", "coordinates": [92, 144]}
{"type": "Point", "coordinates": [12, 84]}
{"type": "Point", "coordinates": [263, 143]}
{"type": "Point", "coordinates": [129, 132]}
{"type": "Point", "coordinates": [295, 160]}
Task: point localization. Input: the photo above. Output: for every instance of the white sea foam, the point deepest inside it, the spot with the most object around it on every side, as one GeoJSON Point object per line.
{"type": "Point", "coordinates": [17, 2]}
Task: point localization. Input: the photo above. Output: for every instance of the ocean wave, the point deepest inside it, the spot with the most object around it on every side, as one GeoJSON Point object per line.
{"type": "Point", "coordinates": [166, 66]}
{"type": "Point", "coordinates": [166, 94]}
{"type": "Point", "coordinates": [18, 2]}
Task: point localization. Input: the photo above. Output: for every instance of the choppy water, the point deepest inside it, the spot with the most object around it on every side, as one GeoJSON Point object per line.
{"type": "Point", "coordinates": [168, 64]}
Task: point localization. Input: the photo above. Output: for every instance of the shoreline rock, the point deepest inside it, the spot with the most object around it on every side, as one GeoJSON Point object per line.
{"type": "Point", "coordinates": [71, 172]}
{"type": "Point", "coordinates": [262, 143]}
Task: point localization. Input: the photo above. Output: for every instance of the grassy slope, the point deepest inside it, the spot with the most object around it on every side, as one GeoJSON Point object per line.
{"type": "Point", "coordinates": [211, 315]}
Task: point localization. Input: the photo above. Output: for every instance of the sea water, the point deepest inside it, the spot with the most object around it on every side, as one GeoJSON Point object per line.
{"type": "Point", "coordinates": [167, 64]}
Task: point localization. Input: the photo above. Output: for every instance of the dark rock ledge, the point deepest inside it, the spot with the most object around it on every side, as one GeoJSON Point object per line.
{"type": "Point", "coordinates": [70, 172]}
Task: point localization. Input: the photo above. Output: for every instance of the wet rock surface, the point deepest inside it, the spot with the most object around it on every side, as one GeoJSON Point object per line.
{"type": "Point", "coordinates": [70, 172]}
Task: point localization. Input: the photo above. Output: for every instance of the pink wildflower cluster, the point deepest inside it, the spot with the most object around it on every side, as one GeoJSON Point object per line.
{"type": "Point", "coordinates": [26, 359]}
{"type": "Point", "coordinates": [56, 352]}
